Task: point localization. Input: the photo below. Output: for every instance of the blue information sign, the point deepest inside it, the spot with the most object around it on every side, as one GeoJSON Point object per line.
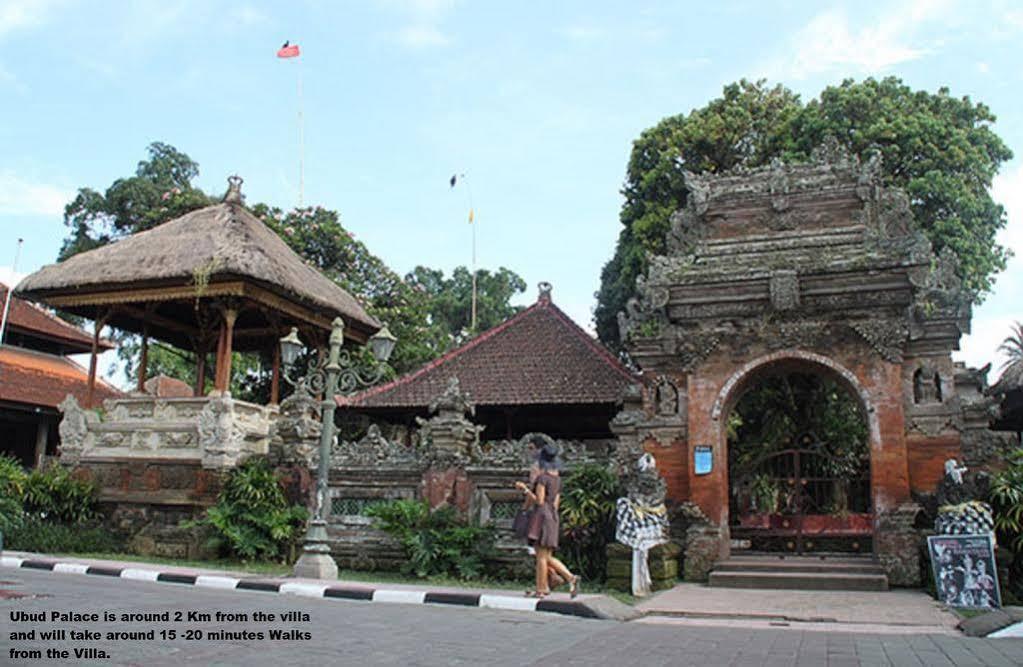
{"type": "Point", "coordinates": [703, 459]}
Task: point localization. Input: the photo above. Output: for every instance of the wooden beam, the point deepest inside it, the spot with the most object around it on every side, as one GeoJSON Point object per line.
{"type": "Point", "coordinates": [223, 383]}
{"type": "Point", "coordinates": [146, 316]}
{"type": "Point", "coordinates": [144, 360]}
{"type": "Point", "coordinates": [97, 329]}
{"type": "Point", "coordinates": [170, 293]}
{"type": "Point", "coordinates": [275, 375]}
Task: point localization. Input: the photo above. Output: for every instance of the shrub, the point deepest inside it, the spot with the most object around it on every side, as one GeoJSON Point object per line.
{"type": "Point", "coordinates": [41, 535]}
{"type": "Point", "coordinates": [1006, 496]}
{"type": "Point", "coordinates": [436, 542]}
{"type": "Point", "coordinates": [588, 499]}
{"type": "Point", "coordinates": [252, 519]}
{"type": "Point", "coordinates": [52, 493]}
{"type": "Point", "coordinates": [12, 488]}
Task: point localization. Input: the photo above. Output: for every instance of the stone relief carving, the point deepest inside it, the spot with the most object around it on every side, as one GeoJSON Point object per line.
{"type": "Point", "coordinates": [926, 385]}
{"type": "Point", "coordinates": [73, 429]}
{"type": "Point", "coordinates": [784, 289]}
{"type": "Point", "coordinates": [220, 436]}
{"type": "Point", "coordinates": [693, 348]}
{"type": "Point", "coordinates": [666, 398]}
{"type": "Point", "coordinates": [448, 436]}
{"type": "Point", "coordinates": [886, 337]}
{"type": "Point", "coordinates": [372, 450]}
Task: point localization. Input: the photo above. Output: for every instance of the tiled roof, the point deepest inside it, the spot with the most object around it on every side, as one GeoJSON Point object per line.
{"type": "Point", "coordinates": [539, 356]}
{"type": "Point", "coordinates": [33, 320]}
{"type": "Point", "coordinates": [43, 379]}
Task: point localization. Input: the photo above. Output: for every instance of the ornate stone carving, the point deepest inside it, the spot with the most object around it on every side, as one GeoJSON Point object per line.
{"type": "Point", "coordinates": [784, 288]}
{"type": "Point", "coordinates": [74, 430]}
{"type": "Point", "coordinates": [694, 347]}
{"type": "Point", "coordinates": [515, 454]}
{"type": "Point", "coordinates": [220, 436]}
{"type": "Point", "coordinates": [886, 337]}
{"type": "Point", "coordinates": [447, 436]}
{"type": "Point", "coordinates": [372, 450]}
{"type": "Point", "coordinates": [926, 385]}
{"type": "Point", "coordinates": [666, 398]}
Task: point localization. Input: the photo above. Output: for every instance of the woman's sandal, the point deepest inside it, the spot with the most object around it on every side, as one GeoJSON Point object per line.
{"type": "Point", "coordinates": [537, 594]}
{"type": "Point", "coordinates": [573, 589]}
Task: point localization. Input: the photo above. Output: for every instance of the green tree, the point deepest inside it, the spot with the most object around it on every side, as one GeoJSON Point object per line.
{"type": "Point", "coordinates": [449, 300]}
{"type": "Point", "coordinates": [741, 128]}
{"type": "Point", "coordinates": [940, 149]}
{"type": "Point", "coordinates": [160, 190]}
{"type": "Point", "coordinates": [425, 316]}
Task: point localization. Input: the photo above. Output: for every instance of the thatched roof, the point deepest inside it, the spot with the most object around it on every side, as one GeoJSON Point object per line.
{"type": "Point", "coordinates": [224, 242]}
{"type": "Point", "coordinates": [1011, 379]}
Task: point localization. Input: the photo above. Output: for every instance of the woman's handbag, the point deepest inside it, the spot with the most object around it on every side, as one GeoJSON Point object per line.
{"type": "Point", "coordinates": [520, 524]}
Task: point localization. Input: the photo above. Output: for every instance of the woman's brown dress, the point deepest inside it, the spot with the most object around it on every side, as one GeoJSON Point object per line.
{"type": "Point", "coordinates": [544, 524]}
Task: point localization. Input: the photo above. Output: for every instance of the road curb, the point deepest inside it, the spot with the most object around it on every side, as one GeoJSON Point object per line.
{"type": "Point", "coordinates": [599, 607]}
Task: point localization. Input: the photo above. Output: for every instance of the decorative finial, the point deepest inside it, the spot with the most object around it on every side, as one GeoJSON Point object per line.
{"type": "Point", "coordinates": [545, 292]}
{"type": "Point", "coordinates": [234, 189]}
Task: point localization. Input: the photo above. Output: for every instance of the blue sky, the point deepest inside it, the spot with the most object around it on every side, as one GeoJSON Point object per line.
{"type": "Point", "coordinates": [538, 103]}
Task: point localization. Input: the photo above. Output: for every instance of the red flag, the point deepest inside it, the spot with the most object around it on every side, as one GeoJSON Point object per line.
{"type": "Point", "coordinates": [288, 51]}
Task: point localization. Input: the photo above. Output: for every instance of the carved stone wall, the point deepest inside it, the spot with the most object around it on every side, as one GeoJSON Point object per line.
{"type": "Point", "coordinates": [215, 431]}
{"type": "Point", "coordinates": [817, 267]}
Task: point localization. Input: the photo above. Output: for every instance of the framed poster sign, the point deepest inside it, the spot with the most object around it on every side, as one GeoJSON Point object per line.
{"type": "Point", "coordinates": [703, 459]}
{"type": "Point", "coordinates": [964, 570]}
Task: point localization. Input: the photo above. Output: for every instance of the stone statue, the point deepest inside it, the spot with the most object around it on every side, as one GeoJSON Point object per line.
{"type": "Point", "coordinates": [959, 513]}
{"type": "Point", "coordinates": [642, 519]}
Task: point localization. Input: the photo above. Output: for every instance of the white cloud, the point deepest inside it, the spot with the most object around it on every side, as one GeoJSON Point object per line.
{"type": "Point", "coordinates": [831, 42]}
{"type": "Point", "coordinates": [21, 197]}
{"type": "Point", "coordinates": [249, 15]}
{"type": "Point", "coordinates": [10, 277]}
{"type": "Point", "coordinates": [421, 36]}
{"type": "Point", "coordinates": [993, 320]}
{"type": "Point", "coordinates": [18, 14]}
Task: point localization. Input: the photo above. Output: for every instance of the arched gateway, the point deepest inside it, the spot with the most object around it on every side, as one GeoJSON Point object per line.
{"type": "Point", "coordinates": [816, 268]}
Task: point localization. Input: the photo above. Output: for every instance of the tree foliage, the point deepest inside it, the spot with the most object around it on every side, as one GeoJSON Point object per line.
{"type": "Point", "coordinates": [449, 300]}
{"type": "Point", "coordinates": [422, 311]}
{"type": "Point", "coordinates": [939, 148]}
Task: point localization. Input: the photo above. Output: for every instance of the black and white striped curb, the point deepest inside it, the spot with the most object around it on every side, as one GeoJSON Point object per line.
{"type": "Point", "coordinates": [308, 589]}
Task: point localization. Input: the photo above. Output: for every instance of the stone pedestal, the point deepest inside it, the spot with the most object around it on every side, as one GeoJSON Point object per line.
{"type": "Point", "coordinates": [316, 561]}
{"type": "Point", "coordinates": [662, 561]}
{"type": "Point", "coordinates": [897, 544]}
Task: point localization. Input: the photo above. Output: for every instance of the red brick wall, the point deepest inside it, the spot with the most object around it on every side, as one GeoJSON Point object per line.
{"type": "Point", "coordinates": [672, 462]}
{"type": "Point", "coordinates": [927, 456]}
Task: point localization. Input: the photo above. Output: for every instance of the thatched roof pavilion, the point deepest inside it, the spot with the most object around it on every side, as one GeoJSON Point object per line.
{"type": "Point", "coordinates": [216, 277]}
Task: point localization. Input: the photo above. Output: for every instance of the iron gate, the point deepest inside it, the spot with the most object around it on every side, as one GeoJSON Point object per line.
{"type": "Point", "coordinates": [803, 499]}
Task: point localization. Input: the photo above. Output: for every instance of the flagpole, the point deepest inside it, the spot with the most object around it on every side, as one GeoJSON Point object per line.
{"type": "Point", "coordinates": [472, 223]}
{"type": "Point", "coordinates": [10, 291]}
{"type": "Point", "coordinates": [301, 140]}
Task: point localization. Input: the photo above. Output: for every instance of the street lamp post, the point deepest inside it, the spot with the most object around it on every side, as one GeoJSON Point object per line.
{"type": "Point", "coordinates": [340, 374]}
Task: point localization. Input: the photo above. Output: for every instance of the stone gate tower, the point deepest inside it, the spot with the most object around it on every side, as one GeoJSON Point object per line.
{"type": "Point", "coordinates": [815, 268]}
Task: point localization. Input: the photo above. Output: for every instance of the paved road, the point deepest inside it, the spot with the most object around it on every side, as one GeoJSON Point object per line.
{"type": "Point", "coordinates": [365, 633]}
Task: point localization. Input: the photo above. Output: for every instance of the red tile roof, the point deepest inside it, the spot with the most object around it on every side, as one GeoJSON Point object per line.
{"type": "Point", "coordinates": [33, 320]}
{"type": "Point", "coordinates": [36, 378]}
{"type": "Point", "coordinates": [539, 356]}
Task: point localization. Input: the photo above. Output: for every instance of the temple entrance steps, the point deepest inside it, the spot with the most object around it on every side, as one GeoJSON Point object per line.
{"type": "Point", "coordinates": [826, 573]}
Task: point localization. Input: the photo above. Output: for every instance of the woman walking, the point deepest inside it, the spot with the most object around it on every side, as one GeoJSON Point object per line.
{"type": "Point", "coordinates": [544, 524]}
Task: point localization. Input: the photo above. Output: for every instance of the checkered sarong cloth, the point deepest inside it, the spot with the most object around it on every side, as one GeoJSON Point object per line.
{"type": "Point", "coordinates": [972, 518]}
{"type": "Point", "coordinates": [640, 527]}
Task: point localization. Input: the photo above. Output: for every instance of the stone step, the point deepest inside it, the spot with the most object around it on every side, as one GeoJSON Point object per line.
{"type": "Point", "coordinates": [801, 581]}
{"type": "Point", "coordinates": [808, 565]}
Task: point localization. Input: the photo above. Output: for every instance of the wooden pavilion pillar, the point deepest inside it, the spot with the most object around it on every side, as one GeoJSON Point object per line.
{"type": "Point", "coordinates": [144, 358]}
{"type": "Point", "coordinates": [224, 345]}
{"type": "Point", "coordinates": [275, 375]}
{"type": "Point", "coordinates": [201, 350]}
{"type": "Point", "coordinates": [97, 329]}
